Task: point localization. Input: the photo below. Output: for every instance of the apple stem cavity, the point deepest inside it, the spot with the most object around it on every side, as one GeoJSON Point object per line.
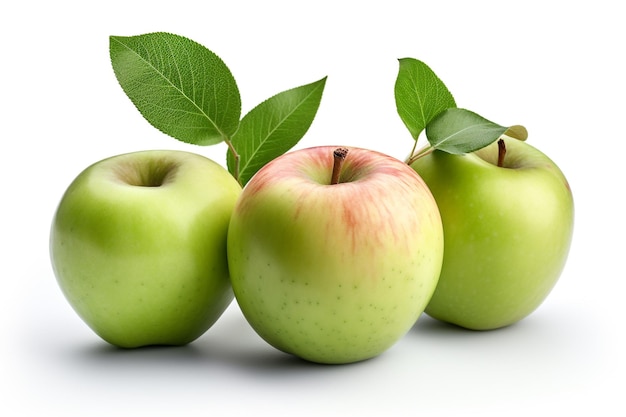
{"type": "Point", "coordinates": [339, 156]}
{"type": "Point", "coordinates": [501, 152]}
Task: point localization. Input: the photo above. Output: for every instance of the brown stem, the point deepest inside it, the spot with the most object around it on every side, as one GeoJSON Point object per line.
{"type": "Point", "coordinates": [501, 152]}
{"type": "Point", "coordinates": [339, 156]}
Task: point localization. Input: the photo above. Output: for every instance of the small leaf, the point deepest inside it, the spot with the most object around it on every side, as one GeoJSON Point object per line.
{"type": "Point", "coordinates": [518, 132]}
{"type": "Point", "coordinates": [459, 131]}
{"type": "Point", "coordinates": [420, 95]}
{"type": "Point", "coordinates": [178, 85]}
{"type": "Point", "coordinates": [273, 127]}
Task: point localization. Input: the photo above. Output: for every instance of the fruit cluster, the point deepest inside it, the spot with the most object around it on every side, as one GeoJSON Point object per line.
{"type": "Point", "coordinates": [331, 253]}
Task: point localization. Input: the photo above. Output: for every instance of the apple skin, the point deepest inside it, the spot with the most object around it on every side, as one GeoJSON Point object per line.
{"type": "Point", "coordinates": [334, 273]}
{"type": "Point", "coordinates": [138, 246]}
{"type": "Point", "coordinates": [507, 233]}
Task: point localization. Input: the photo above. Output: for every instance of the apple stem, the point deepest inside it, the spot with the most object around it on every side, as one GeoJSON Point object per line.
{"type": "Point", "coordinates": [501, 152]}
{"type": "Point", "coordinates": [339, 156]}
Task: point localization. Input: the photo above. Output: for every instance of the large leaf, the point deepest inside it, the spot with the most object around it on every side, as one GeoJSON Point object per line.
{"type": "Point", "coordinates": [273, 127]}
{"type": "Point", "coordinates": [420, 95]}
{"type": "Point", "coordinates": [459, 131]}
{"type": "Point", "coordinates": [178, 85]}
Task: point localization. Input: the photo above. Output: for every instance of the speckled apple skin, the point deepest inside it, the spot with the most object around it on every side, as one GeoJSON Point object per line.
{"type": "Point", "coordinates": [334, 273]}
{"type": "Point", "coordinates": [146, 265]}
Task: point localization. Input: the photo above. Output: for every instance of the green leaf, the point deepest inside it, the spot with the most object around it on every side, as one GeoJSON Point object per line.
{"type": "Point", "coordinates": [272, 128]}
{"type": "Point", "coordinates": [178, 85]}
{"type": "Point", "coordinates": [459, 131]}
{"type": "Point", "coordinates": [420, 95]}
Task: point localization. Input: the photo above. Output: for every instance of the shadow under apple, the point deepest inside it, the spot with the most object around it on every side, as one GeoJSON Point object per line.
{"type": "Point", "coordinates": [230, 345]}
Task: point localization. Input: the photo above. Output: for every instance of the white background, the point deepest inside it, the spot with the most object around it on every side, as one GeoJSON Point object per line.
{"type": "Point", "coordinates": [555, 67]}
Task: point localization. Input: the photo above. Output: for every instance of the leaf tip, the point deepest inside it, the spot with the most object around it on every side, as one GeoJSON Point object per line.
{"type": "Point", "coordinates": [518, 132]}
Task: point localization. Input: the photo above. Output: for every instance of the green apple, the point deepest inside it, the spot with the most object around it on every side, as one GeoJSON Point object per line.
{"type": "Point", "coordinates": [334, 268]}
{"type": "Point", "coordinates": [138, 246]}
{"type": "Point", "coordinates": [507, 232]}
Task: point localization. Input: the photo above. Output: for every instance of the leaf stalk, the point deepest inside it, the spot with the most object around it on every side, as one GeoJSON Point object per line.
{"type": "Point", "coordinates": [422, 152]}
{"type": "Point", "coordinates": [236, 157]}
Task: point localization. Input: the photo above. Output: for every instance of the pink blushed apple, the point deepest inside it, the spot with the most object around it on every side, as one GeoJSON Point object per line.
{"type": "Point", "coordinates": [334, 273]}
